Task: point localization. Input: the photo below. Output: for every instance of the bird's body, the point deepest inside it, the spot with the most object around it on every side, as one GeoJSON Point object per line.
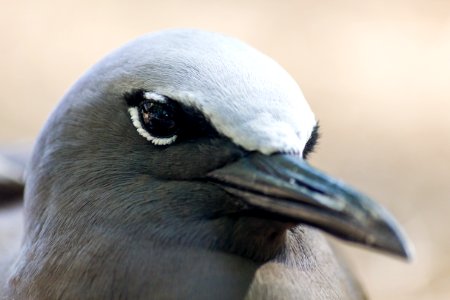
{"type": "Point", "coordinates": [308, 269]}
{"type": "Point", "coordinates": [174, 169]}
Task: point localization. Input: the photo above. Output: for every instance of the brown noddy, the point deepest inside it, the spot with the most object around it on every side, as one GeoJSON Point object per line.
{"type": "Point", "coordinates": [175, 168]}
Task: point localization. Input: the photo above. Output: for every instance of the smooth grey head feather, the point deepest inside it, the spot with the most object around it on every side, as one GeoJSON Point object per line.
{"type": "Point", "coordinates": [247, 96]}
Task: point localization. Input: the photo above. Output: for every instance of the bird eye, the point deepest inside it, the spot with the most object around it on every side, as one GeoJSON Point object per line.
{"type": "Point", "coordinates": [158, 118]}
{"type": "Point", "coordinates": [154, 116]}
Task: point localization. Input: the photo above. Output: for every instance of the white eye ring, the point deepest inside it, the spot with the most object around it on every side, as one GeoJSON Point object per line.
{"type": "Point", "coordinates": [154, 97]}
{"type": "Point", "coordinates": [134, 114]}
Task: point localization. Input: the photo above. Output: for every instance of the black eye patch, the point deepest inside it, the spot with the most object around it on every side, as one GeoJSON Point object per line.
{"type": "Point", "coordinates": [163, 120]}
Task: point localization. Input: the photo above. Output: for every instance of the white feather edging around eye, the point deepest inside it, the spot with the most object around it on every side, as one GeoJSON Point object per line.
{"type": "Point", "coordinates": [155, 97]}
{"type": "Point", "coordinates": [134, 114]}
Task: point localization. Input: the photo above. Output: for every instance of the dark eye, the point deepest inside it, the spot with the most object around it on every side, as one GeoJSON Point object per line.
{"type": "Point", "coordinates": [158, 118]}
{"type": "Point", "coordinates": [154, 116]}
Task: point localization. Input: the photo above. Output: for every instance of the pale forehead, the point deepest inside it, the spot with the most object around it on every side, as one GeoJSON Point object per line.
{"type": "Point", "coordinates": [246, 95]}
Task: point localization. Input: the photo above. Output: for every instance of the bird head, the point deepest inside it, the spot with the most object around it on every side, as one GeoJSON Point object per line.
{"type": "Point", "coordinates": [192, 138]}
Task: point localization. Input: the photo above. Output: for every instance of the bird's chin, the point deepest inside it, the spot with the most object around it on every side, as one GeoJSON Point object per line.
{"type": "Point", "coordinates": [268, 220]}
{"type": "Point", "coordinates": [257, 235]}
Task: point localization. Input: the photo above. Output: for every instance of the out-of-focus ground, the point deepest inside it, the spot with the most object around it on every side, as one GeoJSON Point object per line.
{"type": "Point", "coordinates": [377, 74]}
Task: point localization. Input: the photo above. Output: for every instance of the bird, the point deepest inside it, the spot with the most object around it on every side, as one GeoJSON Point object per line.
{"type": "Point", "coordinates": [176, 168]}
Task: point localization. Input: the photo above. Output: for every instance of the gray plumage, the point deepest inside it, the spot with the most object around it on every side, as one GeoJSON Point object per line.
{"type": "Point", "coordinates": [110, 214]}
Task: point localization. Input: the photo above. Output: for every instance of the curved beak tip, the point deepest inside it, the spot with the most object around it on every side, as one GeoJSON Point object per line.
{"type": "Point", "coordinates": [408, 252]}
{"type": "Point", "coordinates": [385, 234]}
{"type": "Point", "coordinates": [399, 247]}
{"type": "Point", "coordinates": [397, 244]}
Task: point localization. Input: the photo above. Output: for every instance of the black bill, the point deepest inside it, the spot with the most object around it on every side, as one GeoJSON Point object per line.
{"type": "Point", "coordinates": [290, 188]}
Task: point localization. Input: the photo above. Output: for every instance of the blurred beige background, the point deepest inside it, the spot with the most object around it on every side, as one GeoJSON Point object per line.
{"type": "Point", "coordinates": [376, 73]}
